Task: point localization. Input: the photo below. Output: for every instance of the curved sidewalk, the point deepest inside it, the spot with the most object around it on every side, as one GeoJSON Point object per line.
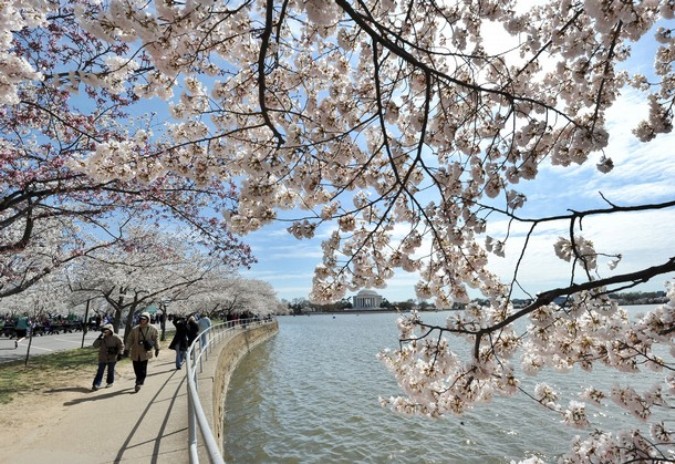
{"type": "Point", "coordinates": [114, 425]}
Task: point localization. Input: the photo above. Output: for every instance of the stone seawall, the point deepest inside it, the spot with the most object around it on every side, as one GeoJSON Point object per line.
{"type": "Point", "coordinates": [222, 361]}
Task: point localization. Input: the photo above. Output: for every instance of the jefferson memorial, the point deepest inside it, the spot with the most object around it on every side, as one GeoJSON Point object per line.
{"type": "Point", "coordinates": [367, 299]}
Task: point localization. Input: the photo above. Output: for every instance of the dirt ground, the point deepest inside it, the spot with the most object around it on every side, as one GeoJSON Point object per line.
{"type": "Point", "coordinates": [29, 413]}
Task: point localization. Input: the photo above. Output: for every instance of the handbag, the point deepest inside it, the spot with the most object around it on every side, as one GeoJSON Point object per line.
{"type": "Point", "coordinates": [148, 345]}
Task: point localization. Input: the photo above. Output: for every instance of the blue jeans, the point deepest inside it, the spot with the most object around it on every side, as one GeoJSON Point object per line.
{"type": "Point", "coordinates": [180, 357]}
{"type": "Point", "coordinates": [110, 378]}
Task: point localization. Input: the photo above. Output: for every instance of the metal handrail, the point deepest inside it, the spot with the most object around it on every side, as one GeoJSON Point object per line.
{"type": "Point", "coordinates": [196, 415]}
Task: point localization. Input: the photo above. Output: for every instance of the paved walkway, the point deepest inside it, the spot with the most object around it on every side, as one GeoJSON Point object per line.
{"type": "Point", "coordinates": [115, 425]}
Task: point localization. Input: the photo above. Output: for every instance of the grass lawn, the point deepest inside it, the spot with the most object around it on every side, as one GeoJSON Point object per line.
{"type": "Point", "coordinates": [45, 371]}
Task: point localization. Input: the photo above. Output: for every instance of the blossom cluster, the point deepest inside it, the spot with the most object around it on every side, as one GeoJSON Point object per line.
{"type": "Point", "coordinates": [590, 330]}
{"type": "Point", "coordinates": [16, 15]}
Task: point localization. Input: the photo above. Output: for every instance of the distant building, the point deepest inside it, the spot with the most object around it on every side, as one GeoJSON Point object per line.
{"type": "Point", "coordinates": [367, 299]}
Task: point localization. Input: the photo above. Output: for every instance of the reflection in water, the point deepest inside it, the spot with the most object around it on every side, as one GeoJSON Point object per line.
{"type": "Point", "coordinates": [310, 395]}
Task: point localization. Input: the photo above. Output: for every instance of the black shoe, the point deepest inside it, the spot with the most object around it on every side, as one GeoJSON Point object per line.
{"type": "Point", "coordinates": [94, 388]}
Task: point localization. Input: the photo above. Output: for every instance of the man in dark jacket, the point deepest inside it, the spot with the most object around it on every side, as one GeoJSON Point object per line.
{"type": "Point", "coordinates": [193, 329]}
{"type": "Point", "coordinates": [180, 340]}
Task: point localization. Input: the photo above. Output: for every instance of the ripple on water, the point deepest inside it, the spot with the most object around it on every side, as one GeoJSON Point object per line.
{"type": "Point", "coordinates": [310, 395]}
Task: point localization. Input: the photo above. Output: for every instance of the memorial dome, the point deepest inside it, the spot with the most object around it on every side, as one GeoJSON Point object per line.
{"type": "Point", "coordinates": [367, 299]}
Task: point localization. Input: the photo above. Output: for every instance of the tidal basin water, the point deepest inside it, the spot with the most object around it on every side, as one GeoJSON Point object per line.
{"type": "Point", "coordinates": [310, 395]}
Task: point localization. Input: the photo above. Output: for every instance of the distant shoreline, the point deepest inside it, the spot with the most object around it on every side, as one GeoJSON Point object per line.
{"type": "Point", "coordinates": [390, 310]}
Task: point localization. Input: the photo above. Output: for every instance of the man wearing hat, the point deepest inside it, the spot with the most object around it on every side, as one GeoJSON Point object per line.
{"type": "Point", "coordinates": [141, 343]}
{"type": "Point", "coordinates": [110, 347]}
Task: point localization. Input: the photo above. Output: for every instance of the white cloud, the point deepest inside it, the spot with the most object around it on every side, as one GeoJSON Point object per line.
{"type": "Point", "coordinates": [279, 274]}
{"type": "Point", "coordinates": [643, 238]}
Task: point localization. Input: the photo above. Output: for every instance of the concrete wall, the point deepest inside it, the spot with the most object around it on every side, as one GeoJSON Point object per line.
{"type": "Point", "coordinates": [222, 360]}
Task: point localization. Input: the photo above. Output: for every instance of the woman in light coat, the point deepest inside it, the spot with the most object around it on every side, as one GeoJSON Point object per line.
{"type": "Point", "coordinates": [141, 336]}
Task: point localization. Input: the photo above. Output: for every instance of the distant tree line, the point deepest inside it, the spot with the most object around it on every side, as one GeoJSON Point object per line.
{"type": "Point", "coordinates": [633, 298]}
{"type": "Point", "coordinates": [303, 305]}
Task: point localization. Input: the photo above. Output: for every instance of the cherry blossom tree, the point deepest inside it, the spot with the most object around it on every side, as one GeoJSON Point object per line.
{"type": "Point", "coordinates": [147, 267]}
{"type": "Point", "coordinates": [48, 297]}
{"type": "Point", "coordinates": [51, 244]}
{"type": "Point", "coordinates": [52, 111]}
{"type": "Point", "coordinates": [252, 296]}
{"type": "Point", "coordinates": [222, 294]}
{"type": "Point", "coordinates": [151, 267]}
{"type": "Point", "coordinates": [383, 116]}
{"type": "Point", "coordinates": [205, 295]}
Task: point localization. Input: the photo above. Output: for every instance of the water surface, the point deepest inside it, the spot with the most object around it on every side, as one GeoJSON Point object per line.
{"type": "Point", "coordinates": [310, 395]}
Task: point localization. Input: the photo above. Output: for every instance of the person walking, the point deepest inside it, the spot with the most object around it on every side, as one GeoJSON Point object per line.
{"type": "Point", "coordinates": [162, 324]}
{"type": "Point", "coordinates": [21, 328]}
{"type": "Point", "coordinates": [110, 348]}
{"type": "Point", "coordinates": [192, 329]}
{"type": "Point", "coordinates": [204, 323]}
{"type": "Point", "coordinates": [142, 341]}
{"type": "Point", "coordinates": [180, 340]}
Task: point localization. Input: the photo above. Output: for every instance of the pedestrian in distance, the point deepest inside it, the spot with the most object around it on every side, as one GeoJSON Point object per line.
{"type": "Point", "coordinates": [162, 323]}
{"type": "Point", "coordinates": [180, 340]}
{"type": "Point", "coordinates": [110, 348]}
{"type": "Point", "coordinates": [193, 329]}
{"type": "Point", "coordinates": [142, 342]}
{"type": "Point", "coordinates": [204, 323]}
{"type": "Point", "coordinates": [21, 329]}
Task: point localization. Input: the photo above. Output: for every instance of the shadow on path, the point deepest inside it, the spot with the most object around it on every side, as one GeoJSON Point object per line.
{"type": "Point", "coordinates": [69, 389]}
{"type": "Point", "coordinates": [97, 397]}
{"type": "Point", "coordinates": [160, 433]}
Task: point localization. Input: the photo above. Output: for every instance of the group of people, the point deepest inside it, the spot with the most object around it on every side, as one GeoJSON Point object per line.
{"type": "Point", "coordinates": [142, 343]}
{"type": "Point", "coordinates": [186, 333]}
{"type": "Point", "coordinates": [19, 327]}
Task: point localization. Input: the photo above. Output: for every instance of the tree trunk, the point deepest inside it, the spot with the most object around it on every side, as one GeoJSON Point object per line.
{"type": "Point", "coordinates": [117, 319]}
{"type": "Point", "coordinates": [130, 320]}
{"type": "Point", "coordinates": [85, 323]}
{"type": "Point", "coordinates": [30, 341]}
